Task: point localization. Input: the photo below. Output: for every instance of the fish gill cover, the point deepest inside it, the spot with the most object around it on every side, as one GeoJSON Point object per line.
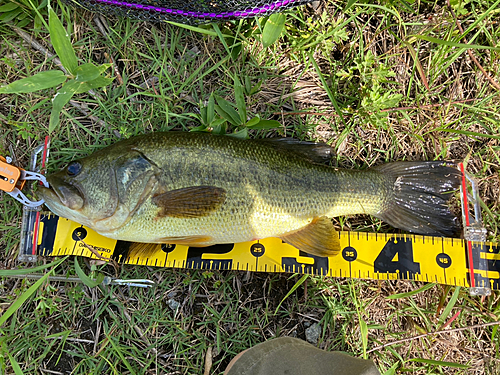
{"type": "Point", "coordinates": [188, 11]}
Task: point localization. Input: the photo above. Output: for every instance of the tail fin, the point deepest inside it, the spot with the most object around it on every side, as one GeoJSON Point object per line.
{"type": "Point", "coordinates": [420, 193]}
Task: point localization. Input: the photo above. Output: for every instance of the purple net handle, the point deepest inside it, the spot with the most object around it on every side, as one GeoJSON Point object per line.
{"type": "Point", "coordinates": [272, 7]}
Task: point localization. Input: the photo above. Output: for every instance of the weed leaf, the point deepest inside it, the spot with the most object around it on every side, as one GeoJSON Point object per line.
{"type": "Point", "coordinates": [273, 28]}
{"type": "Point", "coordinates": [9, 16]}
{"type": "Point", "coordinates": [8, 7]}
{"type": "Point", "coordinates": [61, 98]}
{"type": "Point", "coordinates": [85, 279]}
{"type": "Point", "coordinates": [210, 109]}
{"type": "Point", "coordinates": [242, 134]}
{"type": "Point", "coordinates": [61, 42]}
{"type": "Point", "coordinates": [219, 127]}
{"type": "Point", "coordinates": [40, 81]}
{"type": "Point", "coordinates": [252, 122]}
{"type": "Point", "coordinates": [87, 72]}
{"type": "Point", "coordinates": [200, 129]}
{"type": "Point", "coordinates": [94, 84]}
{"type": "Point", "coordinates": [264, 124]}
{"type": "Point", "coordinates": [239, 96]}
{"type": "Point", "coordinates": [226, 110]}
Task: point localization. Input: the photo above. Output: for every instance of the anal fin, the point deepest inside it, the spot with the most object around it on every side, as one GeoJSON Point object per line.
{"type": "Point", "coordinates": [318, 238]}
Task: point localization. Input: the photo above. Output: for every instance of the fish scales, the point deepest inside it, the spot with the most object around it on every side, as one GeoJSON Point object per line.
{"type": "Point", "coordinates": [201, 189]}
{"type": "Point", "coordinates": [268, 192]}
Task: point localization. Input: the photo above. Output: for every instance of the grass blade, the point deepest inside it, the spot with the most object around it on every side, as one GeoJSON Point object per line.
{"type": "Point", "coordinates": [327, 88]}
{"type": "Point", "coordinates": [27, 271]}
{"type": "Point", "coordinates": [292, 289]}
{"type": "Point", "coordinates": [392, 370]}
{"type": "Point", "coordinates": [449, 43]}
{"type": "Point", "coordinates": [349, 5]}
{"type": "Point", "coordinates": [120, 354]}
{"type": "Point", "coordinates": [383, 8]}
{"type": "Point", "coordinates": [449, 306]}
{"type": "Point", "coordinates": [15, 365]}
{"type": "Point", "coordinates": [466, 132]}
{"type": "Point", "coordinates": [23, 297]}
{"type": "Point", "coordinates": [418, 65]}
{"type": "Point", "coordinates": [364, 335]}
{"type": "Point", "coordinates": [412, 293]}
{"type": "Point", "coordinates": [196, 29]}
{"type": "Point", "coordinates": [439, 363]}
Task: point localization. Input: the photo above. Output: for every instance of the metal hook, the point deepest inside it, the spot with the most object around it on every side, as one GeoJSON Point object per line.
{"type": "Point", "coordinates": [141, 283]}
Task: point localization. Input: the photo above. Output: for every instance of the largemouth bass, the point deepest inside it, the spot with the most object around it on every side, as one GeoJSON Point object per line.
{"type": "Point", "coordinates": [201, 189]}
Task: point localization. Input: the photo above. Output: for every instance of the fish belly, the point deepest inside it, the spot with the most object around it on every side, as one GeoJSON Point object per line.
{"type": "Point", "coordinates": [239, 220]}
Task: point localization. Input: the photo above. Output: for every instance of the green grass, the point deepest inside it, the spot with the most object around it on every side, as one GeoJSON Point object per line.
{"type": "Point", "coordinates": [380, 81]}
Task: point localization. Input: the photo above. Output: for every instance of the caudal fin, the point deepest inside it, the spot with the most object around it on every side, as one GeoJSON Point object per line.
{"type": "Point", "coordinates": [420, 193]}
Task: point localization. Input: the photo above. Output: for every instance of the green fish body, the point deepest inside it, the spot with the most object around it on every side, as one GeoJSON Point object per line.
{"type": "Point", "coordinates": [201, 189]}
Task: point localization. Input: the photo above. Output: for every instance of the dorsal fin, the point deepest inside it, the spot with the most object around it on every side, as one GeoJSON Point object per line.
{"type": "Point", "coordinates": [319, 153]}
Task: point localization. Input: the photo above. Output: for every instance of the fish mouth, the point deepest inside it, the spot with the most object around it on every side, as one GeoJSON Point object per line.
{"type": "Point", "coordinates": [62, 193]}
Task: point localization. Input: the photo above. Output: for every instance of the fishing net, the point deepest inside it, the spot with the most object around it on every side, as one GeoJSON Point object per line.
{"type": "Point", "coordinates": [188, 11]}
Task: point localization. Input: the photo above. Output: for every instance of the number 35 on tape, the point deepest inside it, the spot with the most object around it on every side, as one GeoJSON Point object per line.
{"type": "Point", "coordinates": [364, 255]}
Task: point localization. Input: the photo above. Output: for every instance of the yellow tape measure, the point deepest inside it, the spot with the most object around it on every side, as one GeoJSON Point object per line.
{"type": "Point", "coordinates": [364, 255]}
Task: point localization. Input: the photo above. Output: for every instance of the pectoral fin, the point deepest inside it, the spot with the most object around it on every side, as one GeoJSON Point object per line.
{"type": "Point", "coordinates": [197, 241]}
{"type": "Point", "coordinates": [146, 250]}
{"type": "Point", "coordinates": [318, 238]}
{"type": "Point", "coordinates": [190, 202]}
{"type": "Point", "coordinates": [142, 250]}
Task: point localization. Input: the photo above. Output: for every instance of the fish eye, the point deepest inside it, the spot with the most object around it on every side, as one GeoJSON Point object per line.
{"type": "Point", "coordinates": [74, 168]}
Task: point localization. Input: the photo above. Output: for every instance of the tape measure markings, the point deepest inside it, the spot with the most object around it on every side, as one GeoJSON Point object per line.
{"type": "Point", "coordinates": [372, 255]}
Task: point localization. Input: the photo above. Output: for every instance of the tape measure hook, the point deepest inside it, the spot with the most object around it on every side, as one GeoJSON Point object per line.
{"type": "Point", "coordinates": [474, 233]}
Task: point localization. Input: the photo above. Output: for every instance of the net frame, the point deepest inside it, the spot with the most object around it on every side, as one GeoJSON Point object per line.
{"type": "Point", "coordinates": [188, 11]}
